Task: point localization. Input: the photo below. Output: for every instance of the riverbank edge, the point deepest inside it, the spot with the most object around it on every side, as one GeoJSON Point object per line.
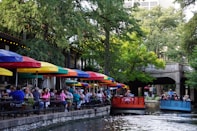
{"type": "Point", "coordinates": [44, 120]}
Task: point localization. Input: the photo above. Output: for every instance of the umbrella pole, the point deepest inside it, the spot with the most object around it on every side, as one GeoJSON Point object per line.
{"type": "Point", "coordinates": [60, 82]}
{"type": "Point", "coordinates": [36, 79]}
{"type": "Point", "coordinates": [16, 82]}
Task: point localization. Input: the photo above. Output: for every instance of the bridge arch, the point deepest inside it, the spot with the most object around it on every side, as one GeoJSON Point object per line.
{"type": "Point", "coordinates": [172, 73]}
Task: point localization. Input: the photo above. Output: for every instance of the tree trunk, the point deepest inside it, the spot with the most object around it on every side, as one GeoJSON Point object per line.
{"type": "Point", "coordinates": [107, 53]}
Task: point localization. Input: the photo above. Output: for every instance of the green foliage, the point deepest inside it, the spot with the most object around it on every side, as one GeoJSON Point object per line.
{"type": "Point", "coordinates": [192, 75]}
{"type": "Point", "coordinates": [135, 58]}
{"type": "Point", "coordinates": [190, 35]}
{"type": "Point", "coordinates": [109, 17]}
{"type": "Point", "coordinates": [43, 51]}
{"type": "Point", "coordinates": [164, 32]}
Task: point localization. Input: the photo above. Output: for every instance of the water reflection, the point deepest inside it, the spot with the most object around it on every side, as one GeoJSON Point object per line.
{"type": "Point", "coordinates": [162, 122]}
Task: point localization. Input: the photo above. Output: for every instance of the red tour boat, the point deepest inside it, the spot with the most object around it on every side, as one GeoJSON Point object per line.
{"type": "Point", "coordinates": [127, 104]}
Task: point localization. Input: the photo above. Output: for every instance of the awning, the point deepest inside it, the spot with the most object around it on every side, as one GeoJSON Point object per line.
{"type": "Point", "coordinates": [5, 72]}
{"type": "Point", "coordinates": [9, 56]}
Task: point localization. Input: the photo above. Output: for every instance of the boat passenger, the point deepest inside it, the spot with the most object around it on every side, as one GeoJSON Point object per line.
{"type": "Point", "coordinates": [129, 94]}
{"type": "Point", "coordinates": [175, 96]}
{"type": "Point", "coordinates": [164, 97]}
{"type": "Point", "coordinates": [186, 98]}
{"type": "Point", "coordinates": [170, 93]}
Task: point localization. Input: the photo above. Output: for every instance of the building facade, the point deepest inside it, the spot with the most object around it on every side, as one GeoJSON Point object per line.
{"type": "Point", "coordinates": [148, 4]}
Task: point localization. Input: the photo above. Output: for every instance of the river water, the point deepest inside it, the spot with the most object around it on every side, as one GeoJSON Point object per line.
{"type": "Point", "coordinates": [157, 122]}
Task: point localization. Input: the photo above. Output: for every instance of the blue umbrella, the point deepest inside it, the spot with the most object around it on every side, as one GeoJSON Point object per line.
{"type": "Point", "coordinates": [9, 56]}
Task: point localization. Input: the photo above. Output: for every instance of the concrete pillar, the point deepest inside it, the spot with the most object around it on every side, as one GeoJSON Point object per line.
{"type": "Point", "coordinates": [177, 76]}
{"type": "Point", "coordinates": [178, 88]}
{"type": "Point", "coordinates": [191, 94]}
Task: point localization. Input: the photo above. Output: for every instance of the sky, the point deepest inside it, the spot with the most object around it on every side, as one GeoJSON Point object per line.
{"type": "Point", "coordinates": [189, 11]}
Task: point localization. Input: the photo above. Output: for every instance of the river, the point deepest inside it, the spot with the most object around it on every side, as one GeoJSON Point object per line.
{"type": "Point", "coordinates": [157, 122]}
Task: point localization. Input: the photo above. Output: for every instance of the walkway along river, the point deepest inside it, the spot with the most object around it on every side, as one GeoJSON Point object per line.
{"type": "Point", "coordinates": [98, 119]}
{"type": "Point", "coordinates": [45, 120]}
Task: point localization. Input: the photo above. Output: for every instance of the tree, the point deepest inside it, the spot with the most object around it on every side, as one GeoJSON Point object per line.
{"type": "Point", "coordinates": [192, 76]}
{"type": "Point", "coordinates": [109, 17]}
{"type": "Point", "coordinates": [190, 35]}
{"type": "Point", "coordinates": [185, 3]}
{"type": "Point", "coordinates": [134, 58]}
{"type": "Point", "coordinates": [163, 32]}
{"type": "Point", "coordinates": [47, 23]}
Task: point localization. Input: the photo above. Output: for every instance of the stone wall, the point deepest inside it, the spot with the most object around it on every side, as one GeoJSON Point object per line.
{"type": "Point", "coordinates": [37, 121]}
{"type": "Point", "coordinates": [152, 106]}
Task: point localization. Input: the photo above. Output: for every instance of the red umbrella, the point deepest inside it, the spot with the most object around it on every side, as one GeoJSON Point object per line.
{"type": "Point", "coordinates": [94, 76]}
{"type": "Point", "coordinates": [26, 62]}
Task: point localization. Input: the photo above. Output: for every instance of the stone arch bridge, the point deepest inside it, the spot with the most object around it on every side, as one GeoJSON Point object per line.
{"type": "Point", "coordinates": [174, 73]}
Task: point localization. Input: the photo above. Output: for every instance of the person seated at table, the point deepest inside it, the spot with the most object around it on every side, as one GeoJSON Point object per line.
{"type": "Point", "coordinates": [93, 98]}
{"type": "Point", "coordinates": [3, 94]}
{"type": "Point", "coordinates": [61, 96]}
{"type": "Point", "coordinates": [17, 95]}
{"type": "Point", "coordinates": [28, 93]}
{"type": "Point", "coordinates": [46, 97]}
{"type": "Point", "coordinates": [76, 99]}
{"type": "Point", "coordinates": [69, 98]}
{"type": "Point", "coordinates": [38, 102]}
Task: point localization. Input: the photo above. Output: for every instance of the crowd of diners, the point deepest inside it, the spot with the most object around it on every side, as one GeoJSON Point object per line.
{"type": "Point", "coordinates": [172, 95]}
{"type": "Point", "coordinates": [41, 98]}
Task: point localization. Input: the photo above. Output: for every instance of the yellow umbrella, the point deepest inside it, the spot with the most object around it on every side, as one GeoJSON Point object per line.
{"type": "Point", "coordinates": [45, 68]}
{"type": "Point", "coordinates": [5, 72]}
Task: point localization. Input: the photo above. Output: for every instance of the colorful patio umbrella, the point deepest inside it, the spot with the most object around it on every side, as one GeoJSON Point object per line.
{"type": "Point", "coordinates": [25, 63]}
{"type": "Point", "coordinates": [9, 56]}
{"type": "Point", "coordinates": [68, 81]}
{"type": "Point", "coordinates": [45, 68]}
{"type": "Point", "coordinates": [81, 84]}
{"type": "Point", "coordinates": [81, 74]}
{"type": "Point", "coordinates": [94, 76]}
{"type": "Point", "coordinates": [107, 79]}
{"type": "Point", "coordinates": [70, 73]}
{"type": "Point", "coordinates": [29, 76]}
{"type": "Point", "coordinates": [119, 85]}
{"type": "Point", "coordinates": [5, 72]}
